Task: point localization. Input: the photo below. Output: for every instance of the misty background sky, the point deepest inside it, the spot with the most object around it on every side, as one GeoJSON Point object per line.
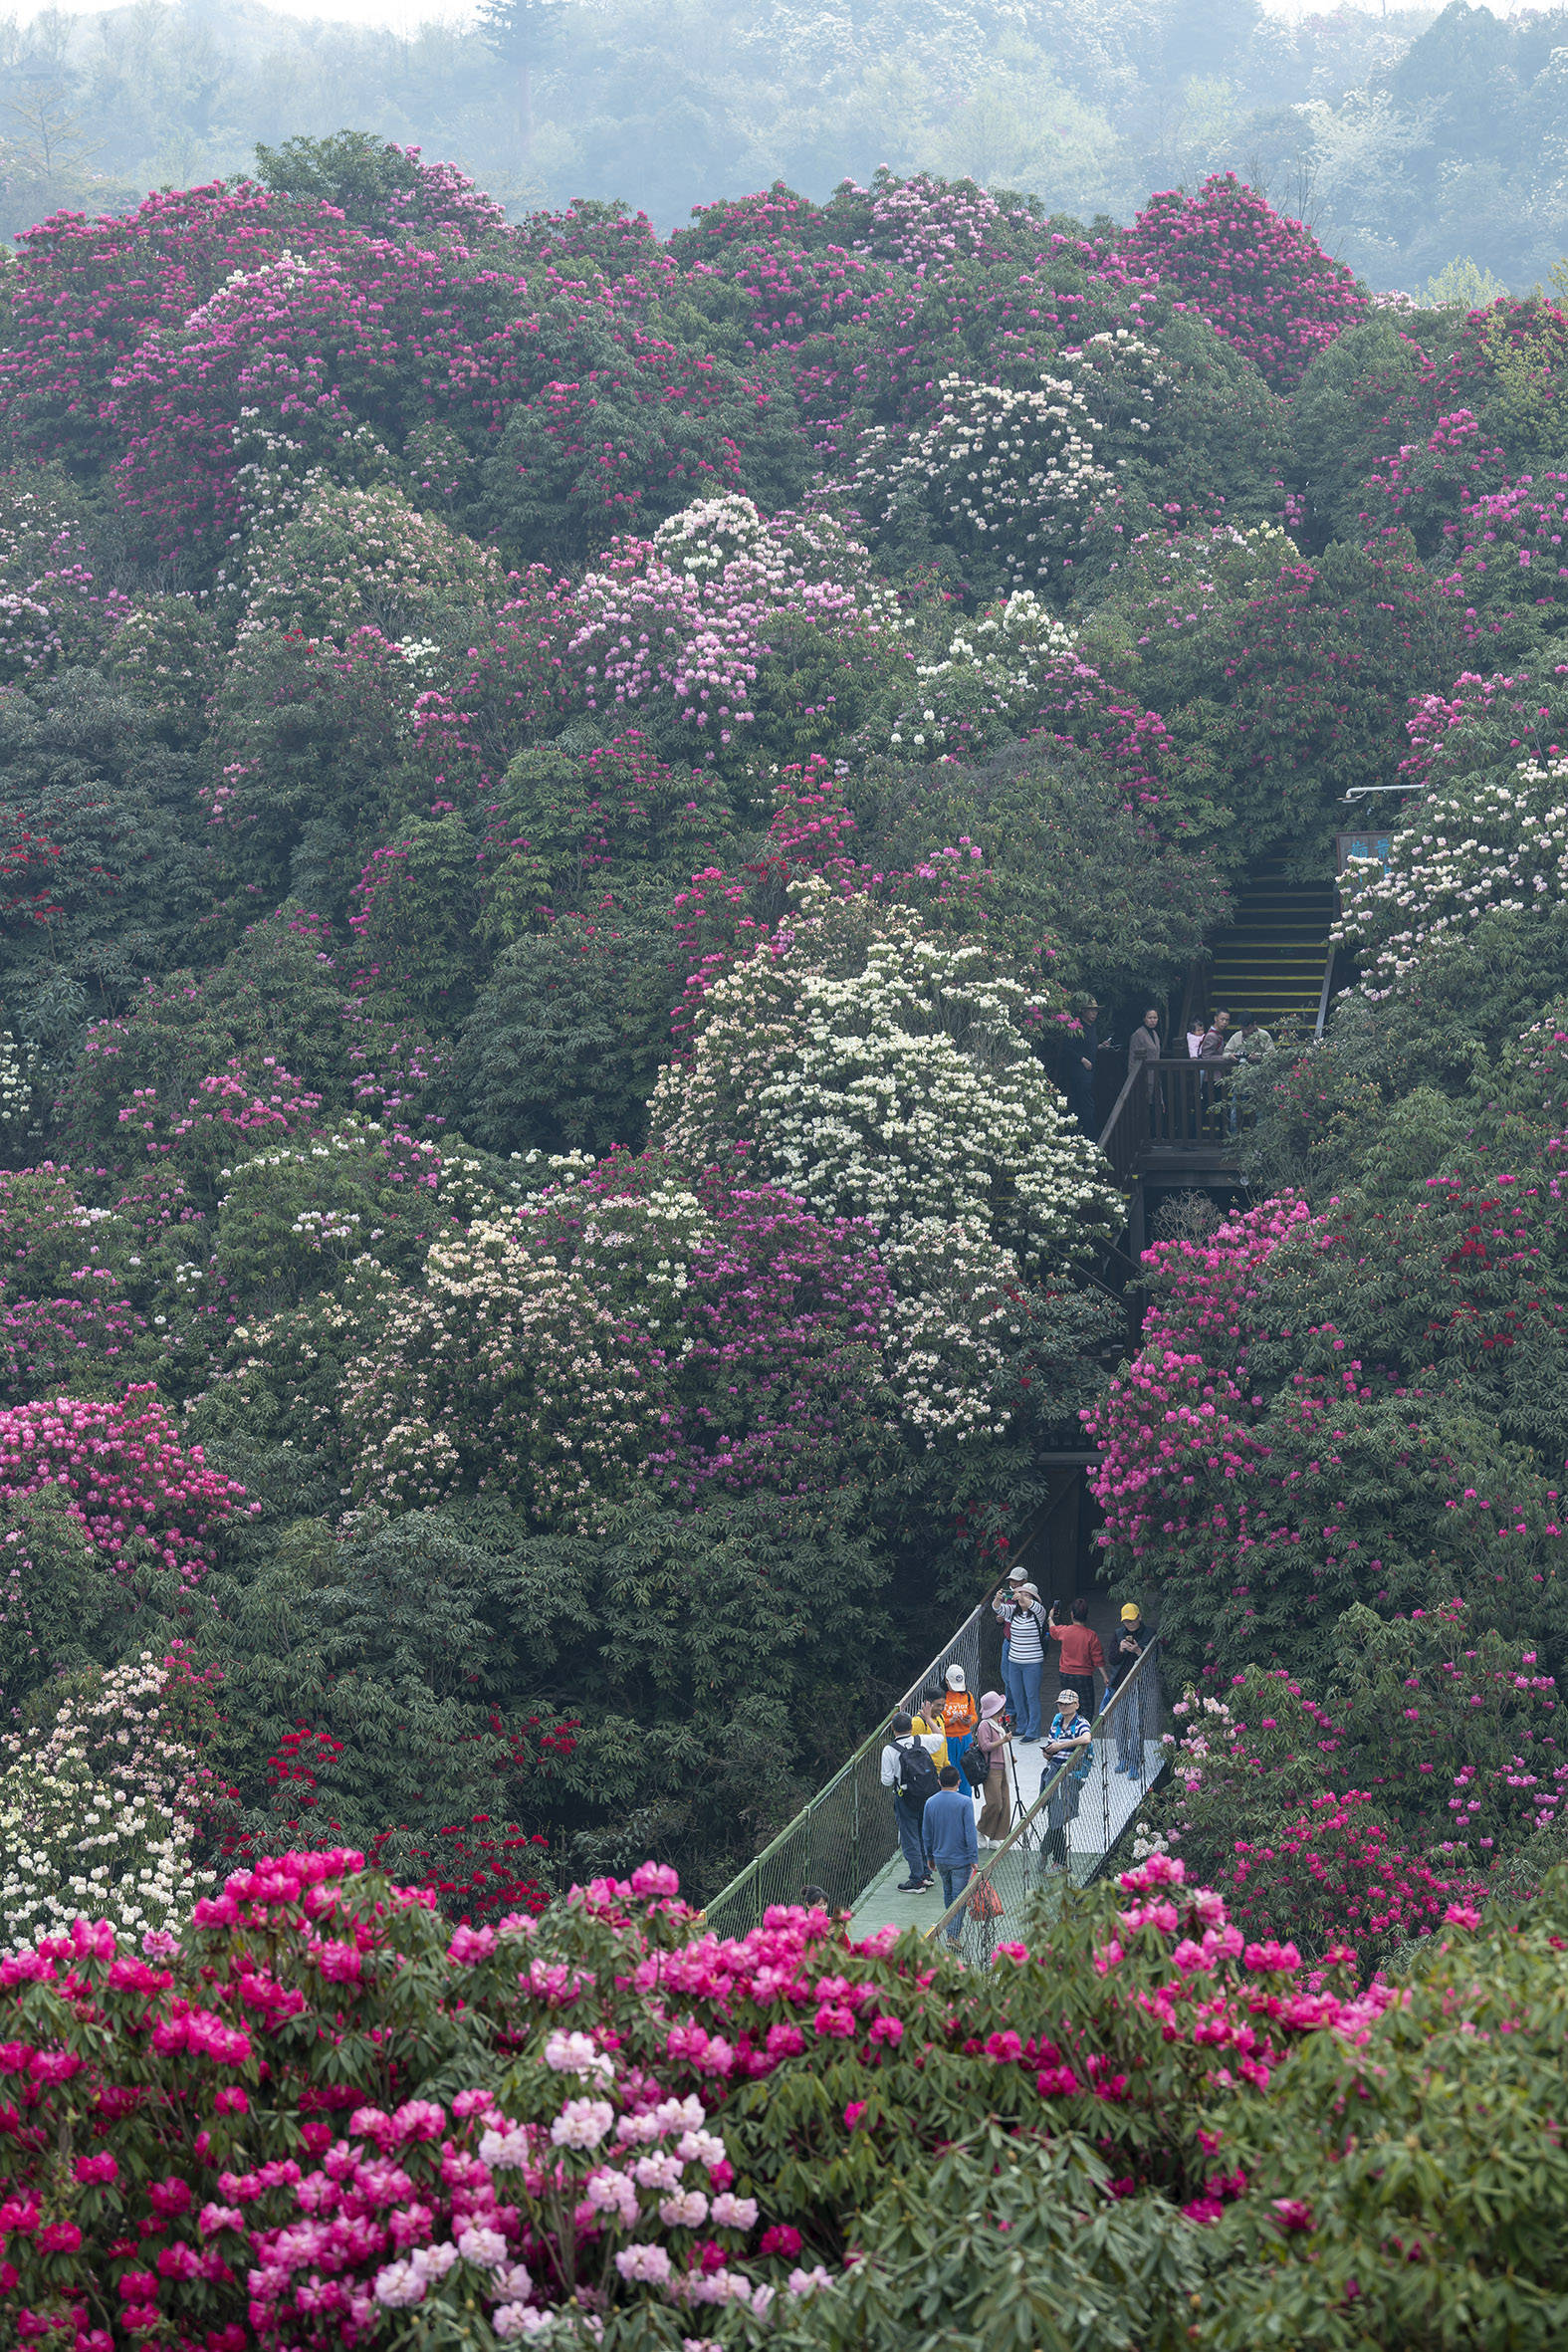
{"type": "Point", "coordinates": [1410, 138]}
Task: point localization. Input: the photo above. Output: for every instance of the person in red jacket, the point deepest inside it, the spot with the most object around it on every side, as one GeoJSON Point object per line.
{"type": "Point", "coordinates": [1082, 1655]}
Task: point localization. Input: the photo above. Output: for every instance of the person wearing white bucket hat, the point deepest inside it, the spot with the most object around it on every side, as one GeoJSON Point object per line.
{"type": "Point", "coordinates": [1067, 1743]}
{"type": "Point", "coordinates": [1022, 1614]}
{"type": "Point", "coordinates": [960, 1716]}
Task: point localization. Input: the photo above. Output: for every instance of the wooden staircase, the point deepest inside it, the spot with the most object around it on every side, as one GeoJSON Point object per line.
{"type": "Point", "coordinates": [1271, 965]}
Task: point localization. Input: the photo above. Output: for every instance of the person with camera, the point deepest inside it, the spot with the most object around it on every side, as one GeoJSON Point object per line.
{"type": "Point", "coordinates": [1018, 1606]}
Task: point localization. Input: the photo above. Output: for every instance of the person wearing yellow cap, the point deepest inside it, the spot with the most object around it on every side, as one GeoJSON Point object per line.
{"type": "Point", "coordinates": [1125, 1654]}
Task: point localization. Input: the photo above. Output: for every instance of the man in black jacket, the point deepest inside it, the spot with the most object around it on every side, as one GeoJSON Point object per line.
{"type": "Point", "coordinates": [1080, 1057]}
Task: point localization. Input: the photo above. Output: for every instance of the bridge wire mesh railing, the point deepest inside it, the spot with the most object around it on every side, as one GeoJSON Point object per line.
{"type": "Point", "coordinates": [845, 1836]}
{"type": "Point", "coordinates": [1051, 1839]}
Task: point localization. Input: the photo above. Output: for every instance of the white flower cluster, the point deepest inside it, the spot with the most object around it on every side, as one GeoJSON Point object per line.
{"type": "Point", "coordinates": [96, 1813]}
{"type": "Point", "coordinates": [882, 1071]}
{"type": "Point", "coordinates": [959, 1301]}
{"type": "Point", "coordinates": [520, 1361]}
{"type": "Point", "coordinates": [1016, 472]}
{"type": "Point", "coordinates": [997, 670]}
{"type": "Point", "coordinates": [1484, 847]}
{"type": "Point", "coordinates": [16, 1093]}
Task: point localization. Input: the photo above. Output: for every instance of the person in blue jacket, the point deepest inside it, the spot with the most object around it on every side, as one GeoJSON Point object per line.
{"type": "Point", "coordinates": [948, 1834]}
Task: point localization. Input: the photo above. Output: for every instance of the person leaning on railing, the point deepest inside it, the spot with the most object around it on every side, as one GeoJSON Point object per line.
{"type": "Point", "coordinates": [1070, 1735]}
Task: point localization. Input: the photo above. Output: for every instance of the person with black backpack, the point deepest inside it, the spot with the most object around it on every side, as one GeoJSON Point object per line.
{"type": "Point", "coordinates": [908, 1771]}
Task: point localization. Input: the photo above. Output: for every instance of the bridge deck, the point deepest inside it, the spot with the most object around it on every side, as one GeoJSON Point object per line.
{"type": "Point", "coordinates": [1101, 1820]}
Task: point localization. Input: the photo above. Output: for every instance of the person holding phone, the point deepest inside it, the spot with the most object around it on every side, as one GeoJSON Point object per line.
{"type": "Point", "coordinates": [1082, 1655]}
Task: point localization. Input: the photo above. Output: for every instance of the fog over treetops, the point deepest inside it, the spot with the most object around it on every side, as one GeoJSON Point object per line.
{"type": "Point", "coordinates": [1404, 138]}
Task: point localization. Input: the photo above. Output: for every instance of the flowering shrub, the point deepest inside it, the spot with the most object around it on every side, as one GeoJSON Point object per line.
{"type": "Point", "coordinates": [52, 608]}
{"type": "Point", "coordinates": [886, 1071]}
{"type": "Point", "coordinates": [1489, 850]}
{"type": "Point", "coordinates": [1011, 475]}
{"type": "Point", "coordinates": [1329, 2228]}
{"type": "Point", "coordinates": [1305, 1423]}
{"type": "Point", "coordinates": [1263, 282]}
{"type": "Point", "coordinates": [622, 1328]}
{"type": "Point", "coordinates": [137, 1494]}
{"type": "Point", "coordinates": [1356, 1823]}
{"type": "Point", "coordinates": [736, 626]}
{"type": "Point", "coordinates": [101, 1805]}
{"type": "Point", "coordinates": [266, 2141]}
{"type": "Point", "coordinates": [1438, 492]}
{"type": "Point", "coordinates": [999, 672]}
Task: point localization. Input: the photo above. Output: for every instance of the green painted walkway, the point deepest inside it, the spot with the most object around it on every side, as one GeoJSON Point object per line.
{"type": "Point", "coordinates": [1110, 1801]}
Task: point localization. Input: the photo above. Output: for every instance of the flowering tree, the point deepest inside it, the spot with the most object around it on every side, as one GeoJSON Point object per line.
{"type": "Point", "coordinates": [136, 1492]}
{"type": "Point", "coordinates": [1263, 282]}
{"type": "Point", "coordinates": [1490, 853]}
{"type": "Point", "coordinates": [887, 1072]}
{"type": "Point", "coordinates": [623, 1328]}
{"type": "Point", "coordinates": [1426, 1779]}
{"type": "Point", "coordinates": [102, 1804]}
{"type": "Point", "coordinates": [1289, 1439]}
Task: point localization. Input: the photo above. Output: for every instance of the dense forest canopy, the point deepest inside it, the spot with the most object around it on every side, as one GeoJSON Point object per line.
{"type": "Point", "coordinates": [566, 795]}
{"type": "Point", "coordinates": [1408, 138]}
{"type": "Point", "coordinates": [563, 795]}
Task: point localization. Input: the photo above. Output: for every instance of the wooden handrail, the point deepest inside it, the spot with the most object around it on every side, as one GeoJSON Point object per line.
{"type": "Point", "coordinates": [1174, 1105]}
{"type": "Point", "coordinates": [1116, 1138]}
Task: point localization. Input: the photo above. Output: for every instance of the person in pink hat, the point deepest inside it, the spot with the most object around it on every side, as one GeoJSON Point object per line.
{"type": "Point", "coordinates": [992, 1741]}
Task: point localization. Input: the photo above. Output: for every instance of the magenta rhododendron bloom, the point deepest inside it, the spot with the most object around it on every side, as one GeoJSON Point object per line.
{"type": "Point", "coordinates": [136, 1492]}
{"type": "Point", "coordinates": [1263, 282]}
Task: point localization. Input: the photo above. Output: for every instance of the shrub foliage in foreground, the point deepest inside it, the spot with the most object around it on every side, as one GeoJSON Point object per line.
{"type": "Point", "coordinates": [326, 2117]}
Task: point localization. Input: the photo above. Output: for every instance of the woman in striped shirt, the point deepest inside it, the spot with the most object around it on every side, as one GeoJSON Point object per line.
{"type": "Point", "coordinates": [1022, 1614]}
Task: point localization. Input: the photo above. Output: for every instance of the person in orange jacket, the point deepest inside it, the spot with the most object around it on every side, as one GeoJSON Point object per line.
{"type": "Point", "coordinates": [960, 1716]}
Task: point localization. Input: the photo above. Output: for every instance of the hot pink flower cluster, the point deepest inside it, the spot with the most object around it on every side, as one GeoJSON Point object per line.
{"type": "Point", "coordinates": [1263, 282]}
{"type": "Point", "coordinates": [1177, 1405]}
{"type": "Point", "coordinates": [136, 1490]}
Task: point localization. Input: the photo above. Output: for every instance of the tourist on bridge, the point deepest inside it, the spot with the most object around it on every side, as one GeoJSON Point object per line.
{"type": "Point", "coordinates": [1022, 1616]}
{"type": "Point", "coordinates": [960, 1714]}
{"type": "Point", "coordinates": [992, 1741]}
{"type": "Point", "coordinates": [1082, 1655]}
{"type": "Point", "coordinates": [912, 1777]}
{"type": "Point", "coordinates": [1214, 1038]}
{"type": "Point", "coordinates": [948, 1834]}
{"type": "Point", "coordinates": [1069, 1736]}
{"type": "Point", "coordinates": [929, 1730]}
{"type": "Point", "coordinates": [1129, 1712]}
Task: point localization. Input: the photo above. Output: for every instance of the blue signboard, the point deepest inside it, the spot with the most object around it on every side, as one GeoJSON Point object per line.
{"type": "Point", "coordinates": [1367, 844]}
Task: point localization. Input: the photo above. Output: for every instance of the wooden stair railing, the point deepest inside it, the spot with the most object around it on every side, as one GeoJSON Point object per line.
{"type": "Point", "coordinates": [1121, 1139]}
{"type": "Point", "coordinates": [1167, 1111]}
